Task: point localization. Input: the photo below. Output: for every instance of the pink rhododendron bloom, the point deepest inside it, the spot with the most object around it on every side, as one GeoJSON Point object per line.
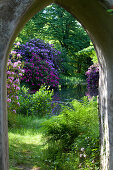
{"type": "Point", "coordinates": [8, 72]}
{"type": "Point", "coordinates": [17, 80]}
{"type": "Point", "coordinates": [18, 55]}
{"type": "Point", "coordinates": [12, 73]}
{"type": "Point", "coordinates": [8, 86]}
{"type": "Point", "coordinates": [18, 43]}
{"type": "Point", "coordinates": [10, 81]}
{"type": "Point", "coordinates": [17, 88]}
{"type": "Point", "coordinates": [14, 111]}
{"type": "Point", "coordinates": [8, 100]}
{"type": "Point", "coordinates": [16, 97]}
{"type": "Point", "coordinates": [18, 103]}
{"type": "Point", "coordinates": [20, 74]}
{"type": "Point", "coordinates": [15, 64]}
{"type": "Point", "coordinates": [14, 85]}
{"type": "Point", "coordinates": [19, 62]}
{"type": "Point", "coordinates": [13, 52]}
{"type": "Point", "coordinates": [12, 78]}
{"type": "Point", "coordinates": [22, 71]}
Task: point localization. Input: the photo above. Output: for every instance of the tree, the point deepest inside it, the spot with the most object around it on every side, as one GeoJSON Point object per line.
{"type": "Point", "coordinates": [56, 25]}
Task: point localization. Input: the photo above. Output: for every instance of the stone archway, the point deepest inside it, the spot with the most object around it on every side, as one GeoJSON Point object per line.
{"type": "Point", "coordinates": [98, 22]}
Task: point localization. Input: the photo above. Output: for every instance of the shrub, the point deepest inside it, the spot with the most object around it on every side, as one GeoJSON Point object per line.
{"type": "Point", "coordinates": [42, 63]}
{"type": "Point", "coordinates": [72, 122]}
{"type": "Point", "coordinates": [93, 80]}
{"type": "Point", "coordinates": [73, 137]}
{"type": "Point", "coordinates": [38, 72]}
{"type": "Point", "coordinates": [14, 73]}
{"type": "Point", "coordinates": [38, 104]}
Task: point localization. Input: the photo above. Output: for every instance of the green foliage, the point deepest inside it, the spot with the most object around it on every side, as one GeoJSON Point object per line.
{"type": "Point", "coordinates": [38, 104]}
{"type": "Point", "coordinates": [27, 148]}
{"type": "Point", "coordinates": [87, 150]}
{"type": "Point", "coordinates": [73, 120]}
{"type": "Point", "coordinates": [83, 59]}
{"type": "Point", "coordinates": [72, 137]}
{"type": "Point", "coordinates": [55, 25]}
{"type": "Point", "coordinates": [110, 11]}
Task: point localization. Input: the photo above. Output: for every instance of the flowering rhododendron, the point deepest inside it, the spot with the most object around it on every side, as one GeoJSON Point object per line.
{"type": "Point", "coordinates": [14, 73]}
{"type": "Point", "coordinates": [42, 64]}
{"type": "Point", "coordinates": [92, 80]}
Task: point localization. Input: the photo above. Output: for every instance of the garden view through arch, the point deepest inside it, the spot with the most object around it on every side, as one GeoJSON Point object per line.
{"type": "Point", "coordinates": [98, 22]}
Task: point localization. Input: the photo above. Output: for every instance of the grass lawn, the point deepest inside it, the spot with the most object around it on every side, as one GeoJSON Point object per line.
{"type": "Point", "coordinates": [25, 143]}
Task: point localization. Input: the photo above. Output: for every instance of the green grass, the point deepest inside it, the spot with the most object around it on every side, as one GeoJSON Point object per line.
{"type": "Point", "coordinates": [25, 143]}
{"type": "Point", "coordinates": [29, 147]}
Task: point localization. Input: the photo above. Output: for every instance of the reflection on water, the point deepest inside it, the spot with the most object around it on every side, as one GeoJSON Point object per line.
{"type": "Point", "coordinates": [67, 94]}
{"type": "Point", "coordinates": [70, 93]}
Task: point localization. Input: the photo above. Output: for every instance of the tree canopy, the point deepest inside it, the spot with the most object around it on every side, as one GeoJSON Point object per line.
{"type": "Point", "coordinates": [57, 26]}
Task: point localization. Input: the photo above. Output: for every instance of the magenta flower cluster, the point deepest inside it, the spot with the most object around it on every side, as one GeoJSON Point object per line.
{"type": "Point", "coordinates": [93, 80]}
{"type": "Point", "coordinates": [14, 73]}
{"type": "Point", "coordinates": [38, 72]}
{"type": "Point", "coordinates": [42, 64]}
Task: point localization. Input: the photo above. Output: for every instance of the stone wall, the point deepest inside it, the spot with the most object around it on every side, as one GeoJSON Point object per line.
{"type": "Point", "coordinates": [98, 23]}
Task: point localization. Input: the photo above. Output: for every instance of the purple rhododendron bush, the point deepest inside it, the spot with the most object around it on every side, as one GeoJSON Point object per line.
{"type": "Point", "coordinates": [42, 64]}
{"type": "Point", "coordinates": [92, 80]}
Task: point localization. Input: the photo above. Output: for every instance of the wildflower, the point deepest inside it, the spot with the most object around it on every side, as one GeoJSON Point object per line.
{"type": "Point", "coordinates": [14, 110]}
{"type": "Point", "coordinates": [82, 149]}
{"type": "Point", "coordinates": [84, 155]}
{"type": "Point", "coordinates": [93, 161]}
{"type": "Point", "coordinates": [81, 155]}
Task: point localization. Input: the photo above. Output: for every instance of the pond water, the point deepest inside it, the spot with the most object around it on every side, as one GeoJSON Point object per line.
{"type": "Point", "coordinates": [70, 92]}
{"type": "Point", "coordinates": [65, 95]}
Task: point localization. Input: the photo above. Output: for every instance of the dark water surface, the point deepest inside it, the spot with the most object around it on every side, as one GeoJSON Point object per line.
{"type": "Point", "coordinates": [66, 94]}
{"type": "Point", "coordinates": [69, 93]}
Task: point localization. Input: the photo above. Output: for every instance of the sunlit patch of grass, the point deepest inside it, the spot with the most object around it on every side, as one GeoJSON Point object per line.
{"type": "Point", "coordinates": [25, 144]}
